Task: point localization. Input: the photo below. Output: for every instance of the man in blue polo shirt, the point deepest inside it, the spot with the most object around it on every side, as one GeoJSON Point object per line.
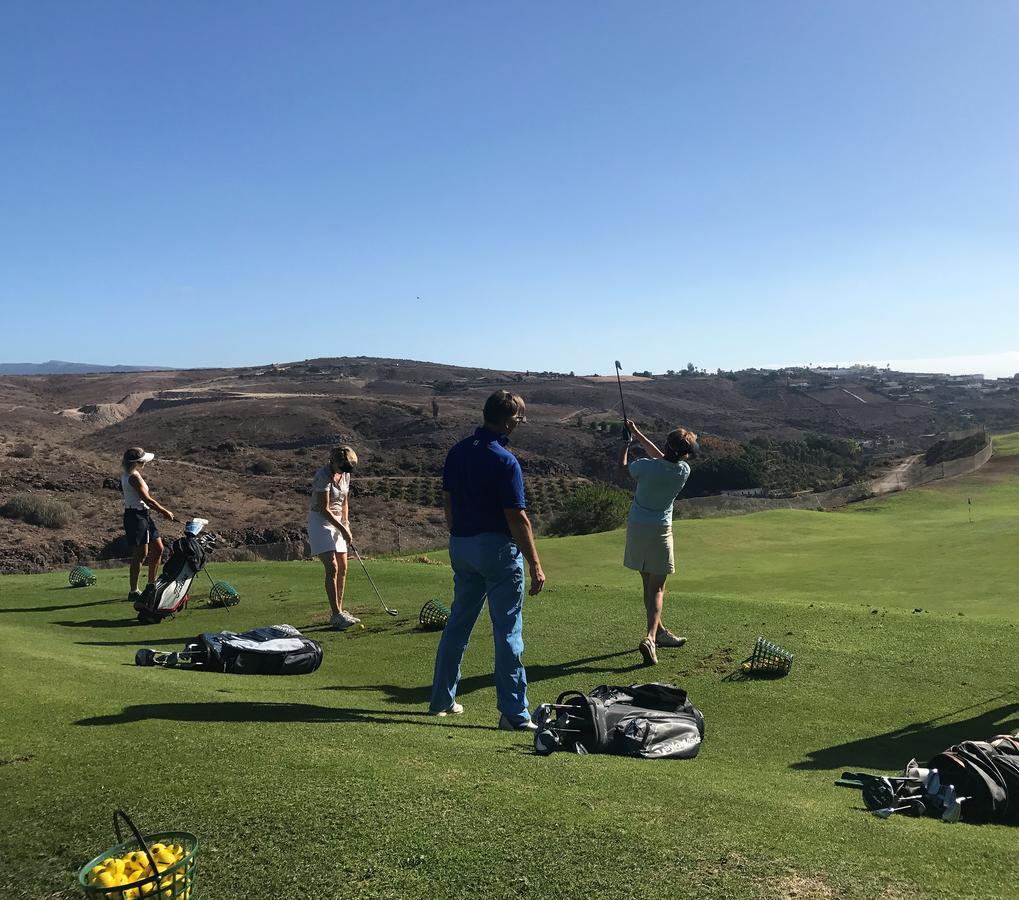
{"type": "Point", "coordinates": [489, 538]}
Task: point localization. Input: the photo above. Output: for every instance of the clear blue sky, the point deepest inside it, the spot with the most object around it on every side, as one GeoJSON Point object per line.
{"type": "Point", "coordinates": [561, 184]}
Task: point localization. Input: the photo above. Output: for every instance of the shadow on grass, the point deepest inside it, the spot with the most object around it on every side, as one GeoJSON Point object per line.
{"type": "Point", "coordinates": [101, 623]}
{"type": "Point", "coordinates": [70, 587]}
{"type": "Point", "coordinates": [921, 740]}
{"type": "Point", "coordinates": [354, 631]}
{"type": "Point", "coordinates": [406, 695]}
{"type": "Point", "coordinates": [138, 642]}
{"type": "Point", "coordinates": [59, 607]}
{"type": "Point", "coordinates": [268, 713]}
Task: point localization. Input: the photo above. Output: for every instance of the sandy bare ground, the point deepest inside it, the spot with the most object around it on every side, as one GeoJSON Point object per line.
{"type": "Point", "coordinates": [236, 395]}
{"type": "Point", "coordinates": [896, 478]}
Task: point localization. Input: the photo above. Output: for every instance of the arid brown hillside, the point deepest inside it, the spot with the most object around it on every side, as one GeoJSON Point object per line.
{"type": "Point", "coordinates": [239, 446]}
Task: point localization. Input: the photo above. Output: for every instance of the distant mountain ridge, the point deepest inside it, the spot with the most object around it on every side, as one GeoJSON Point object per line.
{"type": "Point", "coordinates": [60, 367]}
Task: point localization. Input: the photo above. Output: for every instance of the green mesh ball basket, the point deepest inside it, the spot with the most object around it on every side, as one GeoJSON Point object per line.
{"type": "Point", "coordinates": [433, 616]}
{"type": "Point", "coordinates": [768, 660]}
{"type": "Point", "coordinates": [81, 576]}
{"type": "Point", "coordinates": [222, 593]}
{"type": "Point", "coordinates": [173, 882]}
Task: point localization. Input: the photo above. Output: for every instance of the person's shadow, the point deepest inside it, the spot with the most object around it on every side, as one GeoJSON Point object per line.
{"type": "Point", "coordinates": [101, 623]}
{"type": "Point", "coordinates": [306, 712]}
{"type": "Point", "coordinates": [148, 642]}
{"type": "Point", "coordinates": [62, 606]}
{"type": "Point", "coordinates": [250, 711]}
{"type": "Point", "coordinates": [407, 695]}
{"type": "Point", "coordinates": [920, 740]}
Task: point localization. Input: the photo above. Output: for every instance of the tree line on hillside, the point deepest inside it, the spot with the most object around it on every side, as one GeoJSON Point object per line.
{"type": "Point", "coordinates": [813, 463]}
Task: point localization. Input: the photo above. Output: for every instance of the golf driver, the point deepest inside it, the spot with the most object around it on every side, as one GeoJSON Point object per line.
{"type": "Point", "coordinates": [391, 612]}
{"type": "Point", "coordinates": [622, 402]}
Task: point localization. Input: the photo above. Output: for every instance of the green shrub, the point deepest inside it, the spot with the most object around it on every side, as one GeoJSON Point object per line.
{"type": "Point", "coordinates": [591, 508]}
{"type": "Point", "coordinates": [22, 451]}
{"type": "Point", "coordinates": [947, 450]}
{"type": "Point", "coordinates": [263, 467]}
{"type": "Point", "coordinates": [38, 510]}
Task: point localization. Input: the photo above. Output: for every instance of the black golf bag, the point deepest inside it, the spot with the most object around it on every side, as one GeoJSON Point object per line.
{"type": "Point", "coordinates": [987, 772]}
{"type": "Point", "coordinates": [274, 650]}
{"type": "Point", "coordinates": [169, 593]}
{"type": "Point", "coordinates": [973, 781]}
{"type": "Point", "coordinates": [651, 721]}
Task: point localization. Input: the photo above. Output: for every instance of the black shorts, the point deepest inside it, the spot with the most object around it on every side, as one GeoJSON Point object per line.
{"type": "Point", "coordinates": [139, 527]}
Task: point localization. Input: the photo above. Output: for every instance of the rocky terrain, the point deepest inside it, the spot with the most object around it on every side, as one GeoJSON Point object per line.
{"type": "Point", "coordinates": [239, 446]}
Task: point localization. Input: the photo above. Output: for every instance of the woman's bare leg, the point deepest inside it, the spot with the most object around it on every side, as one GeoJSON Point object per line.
{"type": "Point", "coordinates": [654, 597]}
{"type": "Point", "coordinates": [329, 562]}
{"type": "Point", "coordinates": [137, 555]}
{"type": "Point", "coordinates": [341, 579]}
{"type": "Point", "coordinates": [154, 557]}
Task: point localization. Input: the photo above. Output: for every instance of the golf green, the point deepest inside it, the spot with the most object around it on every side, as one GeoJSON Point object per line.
{"type": "Point", "coordinates": [901, 613]}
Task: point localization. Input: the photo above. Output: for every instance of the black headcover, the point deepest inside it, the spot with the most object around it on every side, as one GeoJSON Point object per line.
{"type": "Point", "coordinates": [188, 550]}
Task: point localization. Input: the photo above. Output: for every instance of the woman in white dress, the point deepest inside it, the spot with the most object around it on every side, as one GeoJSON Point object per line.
{"type": "Point", "coordinates": [329, 528]}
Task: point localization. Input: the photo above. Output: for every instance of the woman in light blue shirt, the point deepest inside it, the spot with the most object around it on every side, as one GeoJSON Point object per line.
{"type": "Point", "coordinates": [660, 477]}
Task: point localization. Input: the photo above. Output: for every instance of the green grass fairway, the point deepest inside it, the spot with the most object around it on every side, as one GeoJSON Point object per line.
{"type": "Point", "coordinates": [1006, 444]}
{"type": "Point", "coordinates": [903, 616]}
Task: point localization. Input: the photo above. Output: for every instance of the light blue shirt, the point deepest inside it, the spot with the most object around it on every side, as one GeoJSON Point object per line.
{"type": "Point", "coordinates": [658, 484]}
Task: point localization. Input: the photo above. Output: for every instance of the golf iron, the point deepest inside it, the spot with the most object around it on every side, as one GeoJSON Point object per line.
{"type": "Point", "coordinates": [622, 402]}
{"type": "Point", "coordinates": [391, 612]}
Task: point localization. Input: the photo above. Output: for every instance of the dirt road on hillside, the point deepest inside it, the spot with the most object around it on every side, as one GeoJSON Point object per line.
{"type": "Point", "coordinates": [895, 479]}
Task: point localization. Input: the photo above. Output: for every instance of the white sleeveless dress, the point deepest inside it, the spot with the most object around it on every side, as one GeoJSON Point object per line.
{"type": "Point", "coordinates": [323, 536]}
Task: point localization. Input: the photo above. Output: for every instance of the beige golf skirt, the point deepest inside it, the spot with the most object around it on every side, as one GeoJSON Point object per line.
{"type": "Point", "coordinates": [649, 548]}
{"type": "Point", "coordinates": [323, 536]}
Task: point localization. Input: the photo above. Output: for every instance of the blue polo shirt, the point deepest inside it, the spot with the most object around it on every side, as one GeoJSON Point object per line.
{"type": "Point", "coordinates": [483, 478]}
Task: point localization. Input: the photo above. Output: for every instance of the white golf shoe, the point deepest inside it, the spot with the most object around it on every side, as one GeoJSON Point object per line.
{"type": "Point", "coordinates": [506, 725]}
{"type": "Point", "coordinates": [665, 638]}
{"type": "Point", "coordinates": [647, 650]}
{"type": "Point", "coordinates": [342, 620]}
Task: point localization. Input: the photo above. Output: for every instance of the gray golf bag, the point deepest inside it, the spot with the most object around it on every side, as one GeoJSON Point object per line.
{"type": "Point", "coordinates": [650, 721]}
{"type": "Point", "coordinates": [274, 650]}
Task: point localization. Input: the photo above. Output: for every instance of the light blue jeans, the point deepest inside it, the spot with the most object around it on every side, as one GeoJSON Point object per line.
{"type": "Point", "coordinates": [485, 564]}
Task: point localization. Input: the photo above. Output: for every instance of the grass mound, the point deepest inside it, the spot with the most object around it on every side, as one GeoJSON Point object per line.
{"type": "Point", "coordinates": [38, 510]}
{"type": "Point", "coordinates": [338, 784]}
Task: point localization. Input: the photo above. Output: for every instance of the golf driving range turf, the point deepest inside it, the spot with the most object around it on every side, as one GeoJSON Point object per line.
{"type": "Point", "coordinates": [903, 618]}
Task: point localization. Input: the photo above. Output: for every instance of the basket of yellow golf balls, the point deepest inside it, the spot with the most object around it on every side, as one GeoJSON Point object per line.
{"type": "Point", "coordinates": [157, 866]}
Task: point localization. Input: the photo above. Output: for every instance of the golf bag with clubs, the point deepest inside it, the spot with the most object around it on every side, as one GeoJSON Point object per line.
{"type": "Point", "coordinates": [973, 781]}
{"type": "Point", "coordinates": [650, 721]}
{"type": "Point", "coordinates": [274, 650]}
{"type": "Point", "coordinates": [169, 593]}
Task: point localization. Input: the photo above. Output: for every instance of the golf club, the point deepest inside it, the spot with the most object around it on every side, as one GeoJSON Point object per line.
{"type": "Point", "coordinates": [953, 812]}
{"type": "Point", "coordinates": [913, 808]}
{"type": "Point", "coordinates": [884, 812]}
{"type": "Point", "coordinates": [391, 612]}
{"type": "Point", "coordinates": [622, 402]}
